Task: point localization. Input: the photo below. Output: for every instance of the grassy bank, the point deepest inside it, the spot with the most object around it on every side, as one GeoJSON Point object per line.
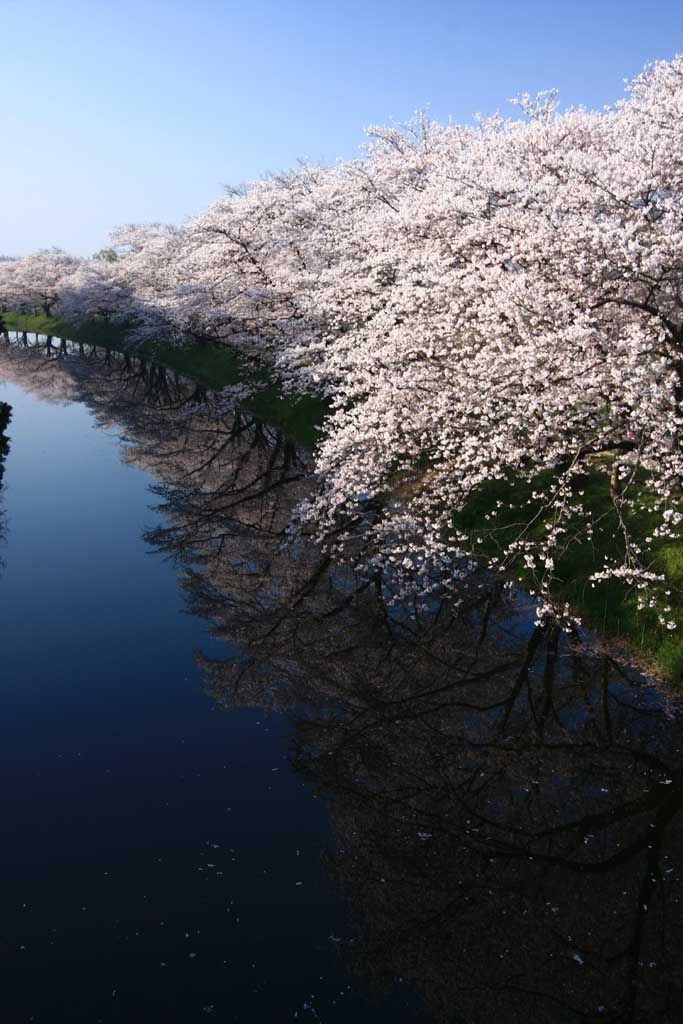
{"type": "Point", "coordinates": [608, 607]}
{"type": "Point", "coordinates": [96, 333]}
{"type": "Point", "coordinates": [212, 367]}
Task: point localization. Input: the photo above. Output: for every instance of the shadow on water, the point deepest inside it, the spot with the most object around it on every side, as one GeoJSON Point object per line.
{"type": "Point", "coordinates": [505, 799]}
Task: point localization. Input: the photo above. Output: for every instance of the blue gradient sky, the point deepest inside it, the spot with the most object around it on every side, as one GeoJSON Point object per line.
{"type": "Point", "coordinates": [140, 111]}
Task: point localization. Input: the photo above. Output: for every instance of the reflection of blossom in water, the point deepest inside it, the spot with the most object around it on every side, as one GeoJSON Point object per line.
{"type": "Point", "coordinates": [504, 799]}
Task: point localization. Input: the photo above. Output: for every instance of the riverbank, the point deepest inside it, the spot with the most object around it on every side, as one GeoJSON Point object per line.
{"type": "Point", "coordinates": [210, 366]}
{"type": "Point", "coordinates": [609, 607]}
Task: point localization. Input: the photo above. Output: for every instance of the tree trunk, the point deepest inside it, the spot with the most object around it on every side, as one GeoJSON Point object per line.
{"type": "Point", "coordinates": [615, 481]}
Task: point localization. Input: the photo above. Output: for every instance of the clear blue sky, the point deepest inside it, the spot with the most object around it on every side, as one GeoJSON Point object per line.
{"type": "Point", "coordinates": [124, 111]}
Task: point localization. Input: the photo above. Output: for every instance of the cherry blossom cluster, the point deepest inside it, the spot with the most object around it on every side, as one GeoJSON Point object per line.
{"type": "Point", "coordinates": [483, 305]}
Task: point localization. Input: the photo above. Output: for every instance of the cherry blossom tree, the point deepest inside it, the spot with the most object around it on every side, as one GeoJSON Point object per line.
{"type": "Point", "coordinates": [8, 294]}
{"type": "Point", "coordinates": [527, 322]}
{"type": "Point", "coordinates": [144, 275]}
{"type": "Point", "coordinates": [494, 312]}
{"type": "Point", "coordinates": [37, 280]}
{"type": "Point", "coordinates": [94, 290]}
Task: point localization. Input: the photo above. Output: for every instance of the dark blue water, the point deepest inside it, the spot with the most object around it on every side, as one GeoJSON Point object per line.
{"type": "Point", "coordinates": [160, 859]}
{"type": "Point", "coordinates": [453, 816]}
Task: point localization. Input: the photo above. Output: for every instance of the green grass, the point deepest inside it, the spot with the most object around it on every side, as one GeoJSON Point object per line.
{"type": "Point", "coordinates": [609, 607]}
{"type": "Point", "coordinates": [213, 367]}
{"type": "Point", "coordinates": [98, 332]}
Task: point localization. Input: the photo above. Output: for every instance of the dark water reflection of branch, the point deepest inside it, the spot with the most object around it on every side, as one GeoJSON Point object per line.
{"type": "Point", "coordinates": [505, 799]}
{"type": "Point", "coordinates": [5, 417]}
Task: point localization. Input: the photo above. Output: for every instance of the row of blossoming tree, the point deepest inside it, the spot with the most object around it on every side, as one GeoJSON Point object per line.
{"type": "Point", "coordinates": [494, 312]}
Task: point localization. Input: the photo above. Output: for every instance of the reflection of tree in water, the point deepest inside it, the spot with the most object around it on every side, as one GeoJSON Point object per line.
{"type": "Point", "coordinates": [55, 369]}
{"type": "Point", "coordinates": [5, 417]}
{"type": "Point", "coordinates": [505, 801]}
{"type": "Point", "coordinates": [511, 871]}
{"type": "Point", "coordinates": [506, 822]}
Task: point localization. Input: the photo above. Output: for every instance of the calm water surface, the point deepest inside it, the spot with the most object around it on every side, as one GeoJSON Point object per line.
{"type": "Point", "coordinates": [231, 792]}
{"type": "Point", "coordinates": [160, 860]}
